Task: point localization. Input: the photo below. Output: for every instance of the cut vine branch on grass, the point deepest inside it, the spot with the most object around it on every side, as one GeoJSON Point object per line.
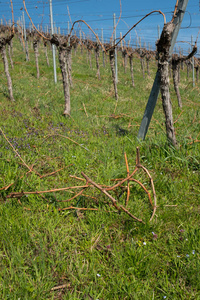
{"type": "Point", "coordinates": [91, 184]}
{"type": "Point", "coordinates": [114, 201]}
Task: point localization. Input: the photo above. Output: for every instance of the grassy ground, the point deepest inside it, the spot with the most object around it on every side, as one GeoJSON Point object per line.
{"type": "Point", "coordinates": [96, 254]}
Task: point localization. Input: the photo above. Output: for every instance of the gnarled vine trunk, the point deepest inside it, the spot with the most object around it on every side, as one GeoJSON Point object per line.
{"type": "Point", "coordinates": [125, 57]}
{"type": "Point", "coordinates": [62, 45]}
{"type": "Point", "coordinates": [46, 53]}
{"type": "Point", "coordinates": [69, 64]}
{"type": "Point", "coordinates": [35, 48]}
{"type": "Point", "coordinates": [3, 42]}
{"type": "Point", "coordinates": [175, 69]}
{"type": "Point", "coordinates": [65, 77]}
{"type": "Point", "coordinates": [112, 65]}
{"type": "Point", "coordinates": [97, 49]}
{"type": "Point", "coordinates": [131, 68]}
{"type": "Point", "coordinates": [163, 47]}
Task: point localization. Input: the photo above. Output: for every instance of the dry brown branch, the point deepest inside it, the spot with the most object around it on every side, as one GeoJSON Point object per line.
{"type": "Point", "coordinates": [68, 200]}
{"type": "Point", "coordinates": [122, 181]}
{"type": "Point", "coordinates": [95, 243]}
{"type": "Point", "coordinates": [57, 190]}
{"type": "Point", "coordinates": [15, 194]}
{"type": "Point", "coordinates": [128, 186]}
{"type": "Point", "coordinates": [144, 188]}
{"type": "Point", "coordinates": [132, 216]}
{"type": "Point", "coordinates": [158, 124]}
{"type": "Point", "coordinates": [63, 286]}
{"type": "Point", "coordinates": [78, 208]}
{"type": "Point", "coordinates": [85, 109]}
{"type": "Point", "coordinates": [137, 156]}
{"type": "Point", "coordinates": [178, 116]}
{"type": "Point", "coordinates": [44, 37]}
{"type": "Point", "coordinates": [118, 116]}
{"type": "Point", "coordinates": [52, 173]}
{"type": "Point", "coordinates": [66, 137]}
{"type": "Point", "coordinates": [194, 141]}
{"type": "Point", "coordinates": [159, 11]}
{"type": "Point", "coordinates": [90, 29]}
{"type": "Point", "coordinates": [78, 178]}
{"type": "Point", "coordinates": [114, 201]}
{"type": "Point", "coordinates": [153, 189]}
{"type": "Point", "coordinates": [15, 150]}
{"type": "Point", "coordinates": [175, 9]}
{"type": "Point", "coordinates": [7, 187]}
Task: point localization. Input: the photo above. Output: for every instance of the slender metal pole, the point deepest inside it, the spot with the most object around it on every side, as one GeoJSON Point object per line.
{"type": "Point", "coordinates": [114, 24]}
{"type": "Point", "coordinates": [156, 86]}
{"type": "Point", "coordinates": [21, 23]}
{"type": "Point", "coordinates": [158, 31]}
{"type": "Point", "coordinates": [68, 27]}
{"type": "Point", "coordinates": [53, 46]}
{"type": "Point", "coordinates": [192, 63]}
{"type": "Point", "coordinates": [102, 41]}
{"type": "Point", "coordinates": [26, 44]}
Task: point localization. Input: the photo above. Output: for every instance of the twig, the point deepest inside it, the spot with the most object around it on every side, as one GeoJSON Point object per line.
{"type": "Point", "coordinates": [60, 287]}
{"type": "Point", "coordinates": [132, 216]}
{"type": "Point", "coordinates": [52, 173]}
{"type": "Point", "coordinates": [72, 176]}
{"type": "Point", "coordinates": [15, 150]}
{"type": "Point", "coordinates": [146, 191]}
{"type": "Point", "coordinates": [44, 37]}
{"type": "Point", "coordinates": [178, 116]}
{"type": "Point", "coordinates": [48, 191]}
{"type": "Point", "coordinates": [57, 134]}
{"type": "Point", "coordinates": [77, 208]}
{"type": "Point", "coordinates": [159, 11]}
{"type": "Point", "coordinates": [112, 199]}
{"type": "Point", "coordinates": [122, 181]}
{"type": "Point", "coordinates": [137, 156]}
{"type": "Point", "coordinates": [153, 189]}
{"type": "Point", "coordinates": [78, 194]}
{"type": "Point", "coordinates": [90, 29]}
{"type": "Point", "coordinates": [175, 9]}
{"type": "Point", "coordinates": [95, 243]}
{"type": "Point", "coordinates": [128, 186]}
{"type": "Point", "coordinates": [85, 110]}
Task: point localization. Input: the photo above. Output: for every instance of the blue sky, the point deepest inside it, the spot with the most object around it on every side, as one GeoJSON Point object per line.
{"type": "Point", "coordinates": [99, 15]}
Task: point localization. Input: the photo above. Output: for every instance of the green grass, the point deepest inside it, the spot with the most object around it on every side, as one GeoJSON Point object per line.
{"type": "Point", "coordinates": [96, 254]}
